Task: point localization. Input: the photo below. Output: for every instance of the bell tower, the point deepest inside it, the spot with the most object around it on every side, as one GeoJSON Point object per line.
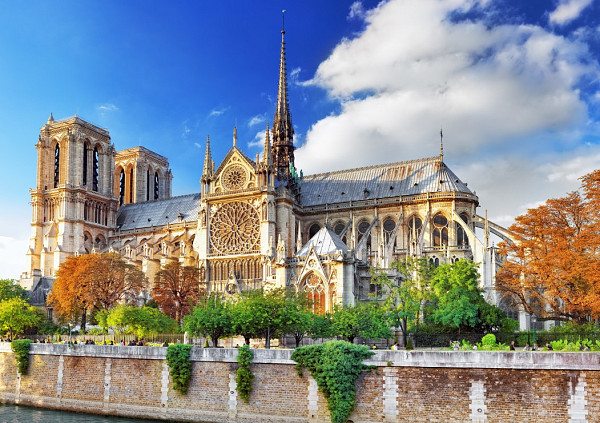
{"type": "Point", "coordinates": [73, 202]}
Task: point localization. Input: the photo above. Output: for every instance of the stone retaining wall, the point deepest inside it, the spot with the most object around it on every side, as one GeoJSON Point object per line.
{"type": "Point", "coordinates": [411, 386]}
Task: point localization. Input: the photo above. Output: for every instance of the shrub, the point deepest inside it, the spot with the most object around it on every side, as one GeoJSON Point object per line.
{"type": "Point", "coordinates": [409, 344]}
{"type": "Point", "coordinates": [488, 340]}
{"type": "Point", "coordinates": [21, 349]}
{"type": "Point", "coordinates": [335, 365]}
{"type": "Point", "coordinates": [178, 359]}
{"type": "Point", "coordinates": [244, 376]}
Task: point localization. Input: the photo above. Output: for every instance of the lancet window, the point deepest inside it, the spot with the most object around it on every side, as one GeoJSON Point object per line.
{"type": "Point", "coordinates": [415, 225]}
{"type": "Point", "coordinates": [462, 239]}
{"type": "Point", "coordinates": [122, 187]}
{"type": "Point", "coordinates": [313, 286]}
{"type": "Point", "coordinates": [95, 169]}
{"type": "Point", "coordinates": [314, 228]}
{"type": "Point", "coordinates": [156, 187]}
{"type": "Point", "coordinates": [56, 165]}
{"type": "Point", "coordinates": [440, 230]}
{"type": "Point", "coordinates": [338, 228]}
{"type": "Point", "coordinates": [131, 185]}
{"type": "Point", "coordinates": [388, 229]}
{"type": "Point", "coordinates": [363, 227]}
{"type": "Point", "coordinates": [85, 163]}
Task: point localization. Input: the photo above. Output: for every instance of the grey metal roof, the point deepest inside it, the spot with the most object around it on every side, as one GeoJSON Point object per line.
{"type": "Point", "coordinates": [324, 242]}
{"type": "Point", "coordinates": [40, 291]}
{"type": "Point", "coordinates": [380, 181]}
{"type": "Point", "coordinates": [157, 213]}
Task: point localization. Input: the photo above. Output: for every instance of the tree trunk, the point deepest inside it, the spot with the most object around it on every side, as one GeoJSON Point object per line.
{"type": "Point", "coordinates": [247, 339]}
{"type": "Point", "coordinates": [351, 339]}
{"type": "Point", "coordinates": [215, 340]}
{"type": "Point", "coordinates": [403, 325]}
{"type": "Point", "coordinates": [298, 339]}
{"type": "Point", "coordinates": [83, 319]}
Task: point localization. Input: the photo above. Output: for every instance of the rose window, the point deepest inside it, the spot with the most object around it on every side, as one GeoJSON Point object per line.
{"type": "Point", "coordinates": [234, 228]}
{"type": "Point", "coordinates": [234, 178]}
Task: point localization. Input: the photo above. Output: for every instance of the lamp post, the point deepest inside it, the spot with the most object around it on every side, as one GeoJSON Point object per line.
{"type": "Point", "coordinates": [533, 321]}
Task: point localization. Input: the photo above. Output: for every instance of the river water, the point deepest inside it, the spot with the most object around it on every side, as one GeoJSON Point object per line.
{"type": "Point", "coordinates": [21, 414]}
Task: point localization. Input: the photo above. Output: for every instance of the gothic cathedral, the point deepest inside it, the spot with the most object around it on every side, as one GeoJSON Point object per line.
{"type": "Point", "coordinates": [255, 223]}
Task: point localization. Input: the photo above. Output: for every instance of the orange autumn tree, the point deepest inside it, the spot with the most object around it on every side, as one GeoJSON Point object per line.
{"type": "Point", "coordinates": [553, 267]}
{"type": "Point", "coordinates": [177, 289]}
{"type": "Point", "coordinates": [94, 282]}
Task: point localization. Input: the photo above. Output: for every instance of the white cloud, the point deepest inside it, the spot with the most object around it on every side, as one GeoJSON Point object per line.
{"type": "Point", "coordinates": [107, 107]}
{"type": "Point", "coordinates": [356, 10]}
{"type": "Point", "coordinates": [198, 145]}
{"type": "Point", "coordinates": [12, 257]}
{"type": "Point", "coordinates": [259, 139]}
{"type": "Point", "coordinates": [413, 70]}
{"type": "Point", "coordinates": [294, 76]}
{"type": "Point", "coordinates": [217, 111]}
{"type": "Point", "coordinates": [257, 120]}
{"type": "Point", "coordinates": [568, 10]}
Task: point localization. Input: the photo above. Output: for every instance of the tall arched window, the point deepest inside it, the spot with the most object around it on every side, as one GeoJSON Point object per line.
{"type": "Point", "coordinates": [415, 224]}
{"type": "Point", "coordinates": [388, 229]}
{"type": "Point", "coordinates": [122, 187]}
{"type": "Point", "coordinates": [156, 187]}
{"type": "Point", "coordinates": [440, 230]}
{"type": "Point", "coordinates": [148, 185]}
{"type": "Point", "coordinates": [363, 227]}
{"type": "Point", "coordinates": [461, 236]}
{"type": "Point", "coordinates": [314, 288]}
{"type": "Point", "coordinates": [338, 228]}
{"type": "Point", "coordinates": [85, 163]}
{"type": "Point", "coordinates": [56, 165]}
{"type": "Point", "coordinates": [131, 185]}
{"type": "Point", "coordinates": [95, 170]}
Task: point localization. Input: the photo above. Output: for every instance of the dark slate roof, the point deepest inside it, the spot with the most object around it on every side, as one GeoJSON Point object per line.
{"type": "Point", "coordinates": [381, 181]}
{"type": "Point", "coordinates": [157, 213]}
{"type": "Point", "coordinates": [324, 242]}
{"type": "Point", "coordinates": [40, 291]}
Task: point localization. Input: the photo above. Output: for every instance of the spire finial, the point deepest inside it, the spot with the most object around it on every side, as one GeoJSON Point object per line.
{"type": "Point", "coordinates": [267, 150]}
{"type": "Point", "coordinates": [51, 118]}
{"type": "Point", "coordinates": [207, 159]}
{"type": "Point", "coordinates": [283, 21]}
{"type": "Point", "coordinates": [235, 136]}
{"type": "Point", "coordinates": [441, 145]}
{"type": "Point", "coordinates": [282, 128]}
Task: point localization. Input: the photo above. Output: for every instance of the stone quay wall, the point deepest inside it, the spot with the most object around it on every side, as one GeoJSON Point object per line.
{"type": "Point", "coordinates": [411, 386]}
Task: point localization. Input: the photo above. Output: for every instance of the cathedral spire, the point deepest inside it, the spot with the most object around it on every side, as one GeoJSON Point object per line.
{"type": "Point", "coordinates": [267, 150]}
{"type": "Point", "coordinates": [283, 130]}
{"type": "Point", "coordinates": [207, 159]}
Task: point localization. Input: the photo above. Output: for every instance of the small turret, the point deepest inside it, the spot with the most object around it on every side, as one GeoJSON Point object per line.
{"type": "Point", "coordinates": [208, 162]}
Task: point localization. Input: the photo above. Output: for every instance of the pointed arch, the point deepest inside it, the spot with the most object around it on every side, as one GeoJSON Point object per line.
{"type": "Point", "coordinates": [314, 288]}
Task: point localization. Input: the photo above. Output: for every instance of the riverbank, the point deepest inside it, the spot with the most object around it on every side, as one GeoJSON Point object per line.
{"type": "Point", "coordinates": [441, 385]}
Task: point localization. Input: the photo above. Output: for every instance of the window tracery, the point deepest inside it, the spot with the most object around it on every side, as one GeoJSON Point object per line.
{"type": "Point", "coordinates": [314, 288]}
{"type": "Point", "coordinates": [95, 172]}
{"type": "Point", "coordinates": [461, 236]}
{"type": "Point", "coordinates": [234, 229]}
{"type": "Point", "coordinates": [56, 165]}
{"type": "Point", "coordinates": [440, 230]}
{"type": "Point", "coordinates": [234, 178]}
{"type": "Point", "coordinates": [388, 229]}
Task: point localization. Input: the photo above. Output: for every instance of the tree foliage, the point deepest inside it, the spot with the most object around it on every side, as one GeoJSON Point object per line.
{"type": "Point", "coordinates": [367, 320]}
{"type": "Point", "coordinates": [404, 294]}
{"type": "Point", "coordinates": [16, 315]}
{"type": "Point", "coordinates": [127, 319]}
{"type": "Point", "coordinates": [21, 349]}
{"type": "Point", "coordinates": [211, 317]}
{"type": "Point", "coordinates": [553, 267]}
{"type": "Point", "coordinates": [94, 282]}
{"type": "Point", "coordinates": [263, 314]}
{"type": "Point", "coordinates": [457, 293]}
{"type": "Point", "coordinates": [177, 289]}
{"type": "Point", "coordinates": [10, 289]}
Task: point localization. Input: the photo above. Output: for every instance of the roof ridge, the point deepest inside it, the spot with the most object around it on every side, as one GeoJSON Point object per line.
{"type": "Point", "coordinates": [161, 200]}
{"type": "Point", "coordinates": [404, 162]}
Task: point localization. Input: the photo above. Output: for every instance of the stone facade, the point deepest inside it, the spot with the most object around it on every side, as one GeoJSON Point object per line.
{"type": "Point", "coordinates": [417, 386]}
{"type": "Point", "coordinates": [255, 223]}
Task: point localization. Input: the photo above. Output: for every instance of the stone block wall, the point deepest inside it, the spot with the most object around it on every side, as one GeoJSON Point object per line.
{"type": "Point", "coordinates": [448, 386]}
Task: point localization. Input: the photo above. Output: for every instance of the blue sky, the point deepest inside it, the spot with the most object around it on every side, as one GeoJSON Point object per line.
{"type": "Point", "coordinates": [513, 83]}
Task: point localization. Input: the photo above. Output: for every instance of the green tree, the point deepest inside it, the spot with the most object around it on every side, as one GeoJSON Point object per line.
{"type": "Point", "coordinates": [321, 326]}
{"type": "Point", "coordinates": [298, 319]}
{"type": "Point", "coordinates": [16, 315]}
{"type": "Point", "coordinates": [264, 314]}
{"type": "Point", "coordinates": [10, 289]}
{"type": "Point", "coordinates": [212, 317]}
{"type": "Point", "coordinates": [404, 292]}
{"type": "Point", "coordinates": [134, 320]}
{"type": "Point", "coordinates": [367, 320]}
{"type": "Point", "coordinates": [458, 296]}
